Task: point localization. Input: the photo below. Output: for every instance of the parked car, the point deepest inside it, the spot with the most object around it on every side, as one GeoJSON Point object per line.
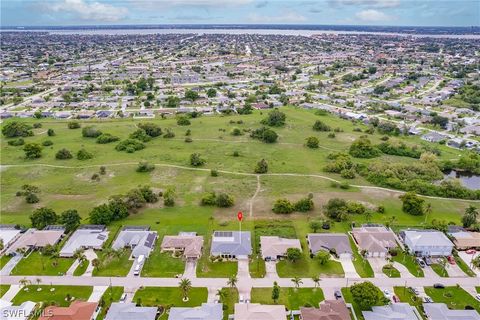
{"type": "Point", "coordinates": [427, 299]}
{"type": "Point", "coordinates": [471, 251]}
{"type": "Point", "coordinates": [428, 261]}
{"type": "Point", "coordinates": [123, 298]}
{"type": "Point", "coordinates": [438, 286]}
{"type": "Point", "coordinates": [451, 260]}
{"type": "Point", "coordinates": [395, 299]}
{"type": "Point", "coordinates": [477, 296]}
{"type": "Point", "coordinates": [338, 295]}
{"type": "Point", "coordinates": [387, 294]}
{"type": "Point", "coordinates": [421, 263]}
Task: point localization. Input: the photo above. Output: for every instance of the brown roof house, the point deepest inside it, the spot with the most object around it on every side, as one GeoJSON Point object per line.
{"type": "Point", "coordinates": [78, 310]}
{"type": "Point", "coordinates": [465, 239]}
{"type": "Point", "coordinates": [274, 248]}
{"type": "Point", "coordinates": [33, 239]}
{"type": "Point", "coordinates": [375, 240]}
{"type": "Point", "coordinates": [186, 242]}
{"type": "Point", "coordinates": [329, 310]}
{"type": "Point", "coordinates": [256, 311]}
{"type": "Point", "coordinates": [331, 242]}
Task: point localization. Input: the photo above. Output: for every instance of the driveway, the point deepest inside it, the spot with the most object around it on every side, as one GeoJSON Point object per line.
{"type": "Point", "coordinates": [97, 293]}
{"type": "Point", "coordinates": [90, 255]}
{"type": "Point", "coordinates": [190, 269]}
{"type": "Point", "coordinates": [377, 266]}
{"type": "Point", "coordinates": [11, 264]}
{"type": "Point", "coordinates": [467, 258]}
{"type": "Point", "coordinates": [454, 270]}
{"type": "Point", "coordinates": [243, 270]}
{"type": "Point", "coordinates": [429, 273]}
{"type": "Point", "coordinates": [271, 269]}
{"type": "Point", "coordinates": [404, 273]}
{"type": "Point", "coordinates": [348, 268]}
{"type": "Point", "coordinates": [11, 293]}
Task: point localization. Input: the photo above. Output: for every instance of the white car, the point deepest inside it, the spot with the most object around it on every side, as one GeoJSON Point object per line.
{"type": "Point", "coordinates": [387, 294]}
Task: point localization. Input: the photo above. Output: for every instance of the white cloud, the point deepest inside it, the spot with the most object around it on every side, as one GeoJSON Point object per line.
{"type": "Point", "coordinates": [372, 15]}
{"type": "Point", "coordinates": [287, 17]}
{"type": "Point", "coordinates": [195, 3]}
{"type": "Point", "coordinates": [91, 11]}
{"type": "Point", "coordinates": [368, 3]}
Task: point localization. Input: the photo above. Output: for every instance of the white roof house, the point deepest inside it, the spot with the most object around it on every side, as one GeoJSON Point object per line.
{"type": "Point", "coordinates": [8, 234]}
{"type": "Point", "coordinates": [395, 311]}
{"type": "Point", "coordinates": [275, 247]}
{"type": "Point", "coordinates": [207, 311]}
{"type": "Point", "coordinates": [256, 311]}
{"type": "Point", "coordinates": [85, 237]}
{"type": "Point", "coordinates": [127, 311]}
{"type": "Point", "coordinates": [140, 239]}
{"type": "Point", "coordinates": [231, 244]}
{"type": "Point", "coordinates": [440, 311]}
{"type": "Point", "coordinates": [427, 242]}
{"type": "Point", "coordinates": [34, 238]}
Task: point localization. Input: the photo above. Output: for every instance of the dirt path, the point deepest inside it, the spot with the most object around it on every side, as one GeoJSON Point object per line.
{"type": "Point", "coordinates": [232, 173]}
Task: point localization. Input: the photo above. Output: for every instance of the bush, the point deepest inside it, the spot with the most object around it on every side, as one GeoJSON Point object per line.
{"type": "Point", "coordinates": [188, 140]}
{"type": "Point", "coordinates": [213, 173]}
{"type": "Point", "coordinates": [32, 150]}
{"type": "Point", "coordinates": [95, 177]}
{"type": "Point", "coordinates": [265, 135]}
{"type": "Point", "coordinates": [169, 134]}
{"type": "Point", "coordinates": [31, 198]}
{"type": "Point", "coordinates": [412, 204]}
{"type": "Point", "coordinates": [209, 199]}
{"type": "Point", "coordinates": [106, 138]}
{"type": "Point", "coordinates": [16, 129]}
{"type": "Point", "coordinates": [363, 148]}
{"type": "Point", "coordinates": [183, 121]}
{"type": "Point", "coordinates": [283, 206]}
{"type": "Point", "coordinates": [312, 142]}
{"type": "Point", "coordinates": [275, 118]}
{"type": "Point", "coordinates": [37, 125]}
{"type": "Point", "coordinates": [50, 132]}
{"type": "Point", "coordinates": [140, 135]}
{"type": "Point", "coordinates": [261, 167]}
{"type": "Point", "coordinates": [129, 145]}
{"type": "Point", "coordinates": [83, 154]}
{"type": "Point", "coordinates": [304, 205]}
{"type": "Point", "coordinates": [320, 126]}
{"type": "Point", "coordinates": [103, 170]}
{"type": "Point", "coordinates": [63, 154]}
{"type": "Point", "coordinates": [224, 200]}
{"type": "Point", "coordinates": [169, 197]}
{"type": "Point", "coordinates": [236, 132]}
{"type": "Point", "coordinates": [151, 129]}
{"type": "Point", "coordinates": [196, 160]}
{"type": "Point", "coordinates": [338, 162]}
{"type": "Point", "coordinates": [73, 125]}
{"type": "Point", "coordinates": [144, 166]}
{"type": "Point", "coordinates": [294, 254]}
{"type": "Point", "coordinates": [47, 143]}
{"type": "Point", "coordinates": [16, 142]}
{"type": "Point", "coordinates": [236, 154]}
{"type": "Point", "coordinates": [91, 132]}
{"type": "Point", "coordinates": [348, 174]}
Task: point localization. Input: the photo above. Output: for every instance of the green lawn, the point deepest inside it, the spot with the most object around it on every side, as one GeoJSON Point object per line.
{"type": "Point", "coordinates": [308, 267]}
{"type": "Point", "coordinates": [462, 265]}
{"type": "Point", "coordinates": [409, 262]}
{"type": "Point", "coordinates": [156, 296]}
{"type": "Point", "coordinates": [117, 266]}
{"type": "Point", "coordinates": [454, 297]}
{"type": "Point", "coordinates": [231, 297]}
{"type": "Point", "coordinates": [439, 269]}
{"type": "Point", "coordinates": [3, 260]}
{"type": "Point", "coordinates": [81, 268]}
{"type": "Point", "coordinates": [347, 296]}
{"type": "Point", "coordinates": [3, 289]}
{"type": "Point", "coordinates": [163, 264]}
{"type": "Point", "coordinates": [37, 264]}
{"type": "Point", "coordinates": [362, 266]}
{"type": "Point", "coordinates": [391, 272]}
{"type": "Point", "coordinates": [57, 296]}
{"type": "Point", "coordinates": [257, 267]}
{"type": "Point", "coordinates": [112, 294]}
{"type": "Point", "coordinates": [291, 298]}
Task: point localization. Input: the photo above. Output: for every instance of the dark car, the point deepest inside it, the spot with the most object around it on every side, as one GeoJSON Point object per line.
{"type": "Point", "coordinates": [438, 286]}
{"type": "Point", "coordinates": [338, 295]}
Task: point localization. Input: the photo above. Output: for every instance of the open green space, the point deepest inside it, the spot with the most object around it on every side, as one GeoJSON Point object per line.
{"type": "Point", "coordinates": [409, 262]}
{"type": "Point", "coordinates": [169, 297]}
{"type": "Point", "coordinates": [37, 264]}
{"type": "Point", "coordinates": [308, 267]}
{"type": "Point", "coordinates": [292, 298]}
{"type": "Point", "coordinates": [362, 266]}
{"type": "Point", "coordinates": [4, 260]}
{"type": "Point", "coordinates": [113, 264]}
{"type": "Point", "coordinates": [163, 264]}
{"type": "Point", "coordinates": [57, 296]}
{"type": "Point", "coordinates": [112, 294]}
{"type": "Point", "coordinates": [453, 297]}
{"type": "Point", "coordinates": [407, 296]}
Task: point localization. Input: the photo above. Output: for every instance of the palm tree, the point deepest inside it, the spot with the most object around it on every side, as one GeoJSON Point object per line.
{"type": "Point", "coordinates": [38, 281]}
{"type": "Point", "coordinates": [316, 280]}
{"type": "Point", "coordinates": [185, 285]}
{"type": "Point", "coordinates": [55, 257]}
{"type": "Point", "coordinates": [222, 295]}
{"type": "Point", "coordinates": [24, 282]}
{"type": "Point", "coordinates": [232, 282]}
{"type": "Point", "coordinates": [96, 263]}
{"type": "Point", "coordinates": [297, 282]}
{"type": "Point", "coordinates": [428, 210]}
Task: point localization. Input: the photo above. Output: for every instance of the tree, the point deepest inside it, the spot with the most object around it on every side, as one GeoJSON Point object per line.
{"type": "Point", "coordinates": [275, 118]}
{"type": "Point", "coordinates": [476, 262]}
{"type": "Point", "coordinates": [336, 209]}
{"type": "Point", "coordinates": [32, 150]}
{"type": "Point", "coordinates": [320, 126]}
{"type": "Point", "coordinates": [265, 135]}
{"type": "Point", "coordinates": [185, 285]}
{"type": "Point", "coordinates": [106, 138]}
{"type": "Point", "coordinates": [196, 160]}
{"type": "Point", "coordinates": [191, 95]}
{"type": "Point", "coordinates": [70, 219]}
{"type": "Point", "coordinates": [144, 166]}
{"type": "Point", "coordinates": [294, 254]}
{"type": "Point", "coordinates": [283, 206]}
{"type": "Point", "coordinates": [224, 200]}
{"type": "Point", "coordinates": [323, 257]}
{"type": "Point", "coordinates": [101, 215]}
{"type": "Point", "coordinates": [73, 125]}
{"type": "Point", "coordinates": [297, 282]}
{"type": "Point", "coordinates": [31, 198]}
{"type": "Point", "coordinates": [275, 292]}
{"type": "Point", "coordinates": [63, 154]}
{"type": "Point", "coordinates": [50, 132]}
{"type": "Point", "coordinates": [304, 205]}
{"type": "Point", "coordinates": [316, 280]}
{"type": "Point", "coordinates": [232, 282]}
{"type": "Point", "coordinates": [183, 121]}
{"type": "Point", "coordinates": [312, 142]}
{"type": "Point", "coordinates": [43, 217]}
{"type": "Point", "coordinates": [365, 294]}
{"type": "Point", "coordinates": [140, 135]}
{"type": "Point", "coordinates": [412, 204]}
{"type": "Point", "coordinates": [169, 197]}
{"type": "Point", "coordinates": [151, 129]}
{"type": "Point", "coordinates": [91, 132]}
{"type": "Point", "coordinates": [211, 93]}
{"type": "Point", "coordinates": [96, 263]}
{"type": "Point", "coordinates": [261, 167]}
{"type": "Point", "coordinates": [173, 102]}
{"type": "Point", "coordinates": [363, 148]}
{"type": "Point", "coordinates": [315, 226]}
{"type": "Point", "coordinates": [16, 129]}
{"type": "Point", "coordinates": [470, 216]}
{"type": "Point", "coordinates": [83, 154]}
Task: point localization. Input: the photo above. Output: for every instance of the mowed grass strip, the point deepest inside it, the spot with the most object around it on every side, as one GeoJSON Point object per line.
{"type": "Point", "coordinates": [57, 296]}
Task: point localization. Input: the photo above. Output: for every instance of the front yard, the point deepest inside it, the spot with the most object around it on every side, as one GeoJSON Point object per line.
{"type": "Point", "coordinates": [112, 294]}
{"type": "Point", "coordinates": [454, 297]}
{"type": "Point", "coordinates": [37, 264]}
{"type": "Point", "coordinates": [163, 264]}
{"type": "Point", "coordinates": [409, 262]}
{"type": "Point", "coordinates": [113, 263]}
{"type": "Point", "coordinates": [56, 296]}
{"type": "Point", "coordinates": [292, 298]}
{"type": "Point", "coordinates": [3, 260]}
{"type": "Point", "coordinates": [362, 266]}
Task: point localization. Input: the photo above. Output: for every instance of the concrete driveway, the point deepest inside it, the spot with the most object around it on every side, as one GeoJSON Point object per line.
{"type": "Point", "coordinates": [90, 255]}
{"type": "Point", "coordinates": [348, 267]}
{"type": "Point", "coordinates": [271, 269]}
{"type": "Point", "coordinates": [97, 293]}
{"type": "Point", "coordinates": [190, 269]}
{"type": "Point", "coordinates": [454, 270]}
{"type": "Point", "coordinates": [467, 258]}
{"type": "Point", "coordinates": [404, 273]}
{"type": "Point", "coordinates": [377, 266]}
{"type": "Point", "coordinates": [243, 270]}
{"type": "Point", "coordinates": [11, 293]}
{"type": "Point", "coordinates": [11, 264]}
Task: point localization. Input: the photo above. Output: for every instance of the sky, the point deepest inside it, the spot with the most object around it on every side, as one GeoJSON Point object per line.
{"type": "Point", "coordinates": [337, 12]}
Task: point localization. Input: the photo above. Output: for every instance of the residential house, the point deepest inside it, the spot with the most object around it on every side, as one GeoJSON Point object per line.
{"type": "Point", "coordinates": [128, 311]}
{"type": "Point", "coordinates": [11, 312]}
{"type": "Point", "coordinates": [78, 310]}
{"type": "Point", "coordinates": [8, 235]}
{"type": "Point", "coordinates": [140, 239]}
{"type": "Point", "coordinates": [207, 311]}
{"type": "Point", "coordinates": [274, 248]}
{"type": "Point", "coordinates": [427, 242]}
{"type": "Point", "coordinates": [434, 137]}
{"type": "Point", "coordinates": [328, 310]}
{"type": "Point", "coordinates": [395, 311]}
{"type": "Point", "coordinates": [85, 237]}
{"type": "Point", "coordinates": [331, 242]}
{"type": "Point", "coordinates": [375, 240]}
{"type": "Point", "coordinates": [464, 239]}
{"type": "Point", "coordinates": [231, 244]}
{"type": "Point", "coordinates": [186, 242]}
{"type": "Point", "coordinates": [440, 311]}
{"type": "Point", "coordinates": [34, 239]}
{"type": "Point", "coordinates": [256, 311]}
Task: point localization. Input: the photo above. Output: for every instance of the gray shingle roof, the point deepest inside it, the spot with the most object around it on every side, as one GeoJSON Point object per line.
{"type": "Point", "coordinates": [231, 242]}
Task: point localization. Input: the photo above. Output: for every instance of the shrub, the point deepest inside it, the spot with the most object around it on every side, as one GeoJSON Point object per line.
{"type": "Point", "coordinates": [141, 135]}
{"type": "Point", "coordinates": [37, 125]}
{"type": "Point", "coordinates": [196, 160]}
{"type": "Point", "coordinates": [106, 138]}
{"type": "Point", "coordinates": [214, 173]}
{"type": "Point", "coordinates": [224, 200]}
{"type": "Point", "coordinates": [294, 254]}
{"type": "Point", "coordinates": [16, 142]}
{"type": "Point", "coordinates": [183, 121]}
{"type": "Point", "coordinates": [348, 173]}
{"type": "Point", "coordinates": [103, 170]}
{"type": "Point", "coordinates": [144, 166]}
{"type": "Point", "coordinates": [363, 148]}
{"type": "Point", "coordinates": [331, 135]}
{"type": "Point", "coordinates": [32, 150]}
{"type": "Point", "coordinates": [31, 198]}
{"type": "Point", "coordinates": [304, 205]}
{"type": "Point", "coordinates": [169, 134]}
{"type": "Point", "coordinates": [63, 154]}
{"type": "Point", "coordinates": [209, 199]}
{"type": "Point", "coordinates": [265, 135]}
{"type": "Point", "coordinates": [283, 206]}
{"type": "Point", "coordinates": [312, 142]}
{"type": "Point", "coordinates": [83, 154]}
{"type": "Point", "coordinates": [129, 145]}
{"type": "Point", "coordinates": [16, 129]}
{"type": "Point", "coordinates": [47, 143]}
{"type": "Point", "coordinates": [95, 177]}
{"type": "Point", "coordinates": [169, 197]}
{"type": "Point", "coordinates": [236, 132]}
{"type": "Point", "coordinates": [275, 118]}
{"type": "Point", "coordinates": [412, 204]}
{"type": "Point", "coordinates": [261, 167]}
{"type": "Point", "coordinates": [338, 162]}
{"type": "Point", "coordinates": [188, 140]}
{"type": "Point", "coordinates": [151, 129]}
{"type": "Point", "coordinates": [91, 132]}
{"type": "Point", "coordinates": [320, 126]}
{"type": "Point", "coordinates": [236, 154]}
{"type": "Point", "coordinates": [73, 125]}
{"type": "Point", "coordinates": [50, 132]}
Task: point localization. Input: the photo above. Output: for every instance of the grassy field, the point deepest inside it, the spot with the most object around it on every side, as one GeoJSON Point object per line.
{"type": "Point", "coordinates": [292, 298]}
{"type": "Point", "coordinates": [57, 296]}
{"type": "Point", "coordinates": [163, 264]}
{"type": "Point", "coordinates": [155, 296]}
{"type": "Point", "coordinates": [439, 269]}
{"type": "Point", "coordinates": [454, 297]}
{"type": "Point", "coordinates": [81, 268]}
{"type": "Point", "coordinates": [37, 264]}
{"type": "Point", "coordinates": [116, 266]}
{"type": "Point", "coordinates": [112, 294]}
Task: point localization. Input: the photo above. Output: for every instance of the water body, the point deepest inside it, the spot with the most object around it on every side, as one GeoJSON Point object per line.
{"type": "Point", "coordinates": [469, 180]}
